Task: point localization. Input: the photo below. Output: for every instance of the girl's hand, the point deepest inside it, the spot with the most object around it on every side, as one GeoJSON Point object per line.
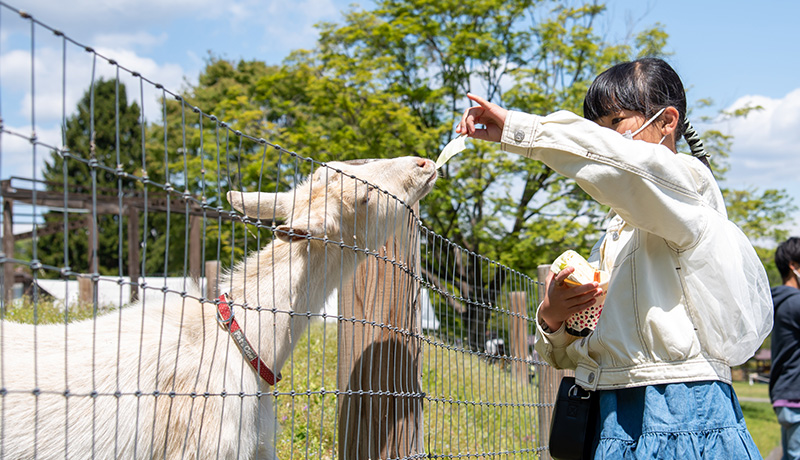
{"type": "Point", "coordinates": [491, 115]}
{"type": "Point", "coordinates": [562, 300]}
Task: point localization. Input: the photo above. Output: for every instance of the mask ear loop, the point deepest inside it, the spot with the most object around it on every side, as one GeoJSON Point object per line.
{"type": "Point", "coordinates": [647, 123]}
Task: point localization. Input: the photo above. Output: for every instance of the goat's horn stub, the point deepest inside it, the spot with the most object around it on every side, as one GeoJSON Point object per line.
{"type": "Point", "coordinates": [258, 205]}
{"type": "Point", "coordinates": [236, 200]}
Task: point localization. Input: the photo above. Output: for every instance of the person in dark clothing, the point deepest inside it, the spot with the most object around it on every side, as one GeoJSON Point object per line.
{"type": "Point", "coordinates": [784, 380]}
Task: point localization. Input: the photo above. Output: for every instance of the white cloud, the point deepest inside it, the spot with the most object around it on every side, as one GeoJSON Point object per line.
{"type": "Point", "coordinates": [18, 152]}
{"type": "Point", "coordinates": [136, 40]}
{"type": "Point", "coordinates": [89, 19]}
{"type": "Point", "coordinates": [55, 93]}
{"type": "Point", "coordinates": [774, 125]}
{"type": "Point", "coordinates": [765, 146]}
{"type": "Point", "coordinates": [766, 141]}
{"type": "Point", "coordinates": [85, 18]}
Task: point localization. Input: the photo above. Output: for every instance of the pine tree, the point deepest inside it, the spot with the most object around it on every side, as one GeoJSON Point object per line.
{"type": "Point", "coordinates": [102, 137]}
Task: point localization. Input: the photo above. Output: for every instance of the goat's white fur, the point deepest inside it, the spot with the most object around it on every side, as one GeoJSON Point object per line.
{"type": "Point", "coordinates": [167, 343]}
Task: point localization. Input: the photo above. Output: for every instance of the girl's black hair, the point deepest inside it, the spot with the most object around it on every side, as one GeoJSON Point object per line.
{"type": "Point", "coordinates": [646, 86]}
{"type": "Point", "coordinates": [788, 251]}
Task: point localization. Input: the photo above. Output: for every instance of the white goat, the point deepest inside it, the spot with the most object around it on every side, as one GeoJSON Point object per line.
{"type": "Point", "coordinates": [162, 378]}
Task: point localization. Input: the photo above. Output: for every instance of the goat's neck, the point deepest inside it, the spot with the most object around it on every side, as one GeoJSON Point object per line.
{"type": "Point", "coordinates": [287, 277]}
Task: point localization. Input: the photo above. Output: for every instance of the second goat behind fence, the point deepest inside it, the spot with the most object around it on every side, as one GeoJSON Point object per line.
{"type": "Point", "coordinates": [164, 378]}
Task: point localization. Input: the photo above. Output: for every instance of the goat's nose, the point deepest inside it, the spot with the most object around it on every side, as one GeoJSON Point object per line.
{"type": "Point", "coordinates": [421, 162]}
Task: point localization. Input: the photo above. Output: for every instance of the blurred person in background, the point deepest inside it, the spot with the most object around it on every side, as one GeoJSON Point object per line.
{"type": "Point", "coordinates": [784, 379]}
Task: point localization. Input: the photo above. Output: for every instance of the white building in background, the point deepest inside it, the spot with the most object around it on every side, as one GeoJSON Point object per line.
{"type": "Point", "coordinates": [115, 291]}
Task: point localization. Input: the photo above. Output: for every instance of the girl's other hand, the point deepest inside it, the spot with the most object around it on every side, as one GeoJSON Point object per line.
{"type": "Point", "coordinates": [562, 300]}
{"type": "Point", "coordinates": [488, 114]}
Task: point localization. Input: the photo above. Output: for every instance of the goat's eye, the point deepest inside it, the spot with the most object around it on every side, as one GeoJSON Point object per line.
{"type": "Point", "coordinates": [370, 191]}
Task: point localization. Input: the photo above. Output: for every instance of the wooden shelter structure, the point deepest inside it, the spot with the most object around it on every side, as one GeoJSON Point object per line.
{"type": "Point", "coordinates": [130, 204]}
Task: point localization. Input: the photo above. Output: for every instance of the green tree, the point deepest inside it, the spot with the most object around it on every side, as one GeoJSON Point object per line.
{"type": "Point", "coordinates": [99, 144]}
{"type": "Point", "coordinates": [391, 81]}
{"type": "Point", "coordinates": [533, 56]}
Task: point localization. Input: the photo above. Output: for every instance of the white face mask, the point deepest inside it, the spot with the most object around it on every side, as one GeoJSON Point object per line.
{"type": "Point", "coordinates": [796, 274]}
{"type": "Point", "coordinates": [628, 135]}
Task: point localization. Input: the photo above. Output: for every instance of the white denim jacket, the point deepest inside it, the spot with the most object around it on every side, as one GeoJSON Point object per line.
{"type": "Point", "coordinates": [688, 296]}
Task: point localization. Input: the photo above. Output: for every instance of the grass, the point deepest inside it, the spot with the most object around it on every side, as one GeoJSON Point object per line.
{"type": "Point", "coordinates": [46, 311]}
{"type": "Point", "coordinates": [472, 407]}
{"type": "Point", "coordinates": [308, 420]}
{"type": "Point", "coordinates": [761, 420]}
{"type": "Point", "coordinates": [476, 407]}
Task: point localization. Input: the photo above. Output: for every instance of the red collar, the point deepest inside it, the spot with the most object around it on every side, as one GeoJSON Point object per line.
{"type": "Point", "coordinates": [228, 322]}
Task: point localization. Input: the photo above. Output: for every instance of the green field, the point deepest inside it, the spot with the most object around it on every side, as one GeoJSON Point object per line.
{"type": "Point", "coordinates": [308, 418]}
{"type": "Point", "coordinates": [760, 417]}
{"type": "Point", "coordinates": [474, 406]}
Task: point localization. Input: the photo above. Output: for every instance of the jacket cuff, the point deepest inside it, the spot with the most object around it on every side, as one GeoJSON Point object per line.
{"type": "Point", "coordinates": [555, 339]}
{"type": "Point", "coordinates": [518, 133]}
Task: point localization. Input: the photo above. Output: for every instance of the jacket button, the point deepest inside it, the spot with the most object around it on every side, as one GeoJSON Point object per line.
{"type": "Point", "coordinates": [519, 135]}
{"type": "Point", "coordinates": [591, 377]}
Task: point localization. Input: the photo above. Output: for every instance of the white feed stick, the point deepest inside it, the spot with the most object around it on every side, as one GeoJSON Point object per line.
{"type": "Point", "coordinates": [452, 148]}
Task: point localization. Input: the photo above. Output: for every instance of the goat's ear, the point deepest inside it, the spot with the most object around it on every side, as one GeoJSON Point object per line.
{"type": "Point", "coordinates": [316, 225]}
{"type": "Point", "coordinates": [260, 205]}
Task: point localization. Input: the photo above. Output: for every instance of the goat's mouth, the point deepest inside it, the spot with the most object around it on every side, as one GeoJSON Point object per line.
{"type": "Point", "coordinates": [432, 178]}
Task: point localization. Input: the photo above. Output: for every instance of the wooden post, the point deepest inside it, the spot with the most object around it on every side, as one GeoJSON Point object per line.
{"type": "Point", "coordinates": [518, 334]}
{"type": "Point", "coordinates": [8, 249]}
{"type": "Point", "coordinates": [133, 252]}
{"type": "Point", "coordinates": [373, 358]}
{"type": "Point", "coordinates": [212, 279]}
{"type": "Point", "coordinates": [92, 253]}
{"type": "Point", "coordinates": [85, 290]}
{"type": "Point", "coordinates": [549, 378]}
{"type": "Point", "coordinates": [195, 247]}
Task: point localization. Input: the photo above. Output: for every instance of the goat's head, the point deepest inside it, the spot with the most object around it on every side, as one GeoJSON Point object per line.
{"type": "Point", "coordinates": [340, 201]}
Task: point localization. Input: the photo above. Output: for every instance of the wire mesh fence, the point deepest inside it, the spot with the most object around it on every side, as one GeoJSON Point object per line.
{"type": "Point", "coordinates": [176, 288]}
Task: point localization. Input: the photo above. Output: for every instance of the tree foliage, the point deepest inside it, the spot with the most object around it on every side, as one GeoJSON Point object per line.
{"type": "Point", "coordinates": [391, 81]}
{"type": "Point", "coordinates": [109, 136]}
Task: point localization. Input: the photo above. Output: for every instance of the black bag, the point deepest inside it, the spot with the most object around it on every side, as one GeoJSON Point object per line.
{"type": "Point", "coordinates": [572, 428]}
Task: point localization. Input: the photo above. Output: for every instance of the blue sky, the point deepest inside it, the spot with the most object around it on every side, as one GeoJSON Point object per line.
{"type": "Point", "coordinates": [734, 52]}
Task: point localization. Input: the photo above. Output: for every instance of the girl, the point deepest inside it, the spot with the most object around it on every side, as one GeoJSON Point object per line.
{"type": "Point", "coordinates": [688, 297]}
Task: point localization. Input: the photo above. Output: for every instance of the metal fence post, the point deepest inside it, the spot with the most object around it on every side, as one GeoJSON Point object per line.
{"type": "Point", "coordinates": [380, 414]}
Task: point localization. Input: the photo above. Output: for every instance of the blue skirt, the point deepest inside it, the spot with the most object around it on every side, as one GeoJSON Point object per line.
{"type": "Point", "coordinates": [675, 421]}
